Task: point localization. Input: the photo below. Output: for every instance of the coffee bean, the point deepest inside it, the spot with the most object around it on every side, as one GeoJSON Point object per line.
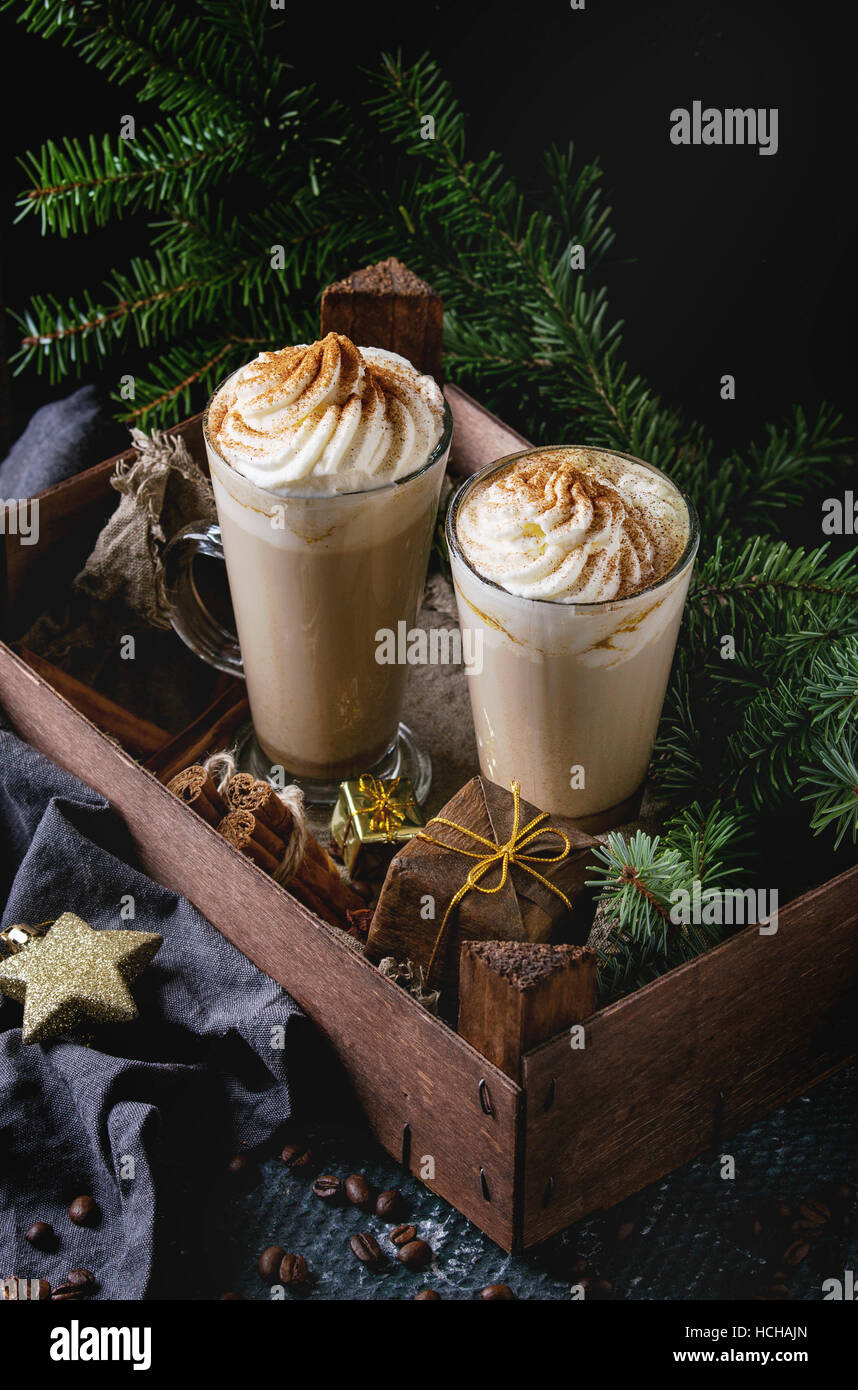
{"type": "Point", "coordinates": [754, 1228]}
{"type": "Point", "coordinates": [230, 1298]}
{"type": "Point", "coordinates": [358, 1190]}
{"type": "Point", "coordinates": [269, 1262]}
{"type": "Point", "coordinates": [327, 1187]}
{"type": "Point", "coordinates": [816, 1212]}
{"type": "Point", "coordinates": [237, 1165]}
{"type": "Point", "coordinates": [84, 1211]}
{"type": "Point", "coordinates": [845, 1192]}
{"type": "Point", "coordinates": [66, 1293]}
{"type": "Point", "coordinates": [427, 1295]}
{"type": "Point", "coordinates": [494, 1292]}
{"type": "Point", "coordinates": [41, 1235]}
{"type": "Point", "coordinates": [784, 1210]}
{"type": "Point", "coordinates": [795, 1253]}
{"type": "Point", "coordinates": [365, 1248]}
{"type": "Point", "coordinates": [579, 1267]}
{"type": "Point", "coordinates": [388, 1203]}
{"type": "Point", "coordinates": [402, 1235]}
{"type": "Point", "coordinates": [297, 1156]}
{"type": "Point", "coordinates": [626, 1230]}
{"type": "Point", "coordinates": [82, 1279]}
{"type": "Point", "coordinates": [293, 1270]}
{"type": "Point", "coordinates": [416, 1254]}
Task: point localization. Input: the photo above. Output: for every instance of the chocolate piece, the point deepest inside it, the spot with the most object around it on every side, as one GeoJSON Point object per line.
{"type": "Point", "coordinates": [386, 305]}
{"type": "Point", "coordinates": [514, 995]}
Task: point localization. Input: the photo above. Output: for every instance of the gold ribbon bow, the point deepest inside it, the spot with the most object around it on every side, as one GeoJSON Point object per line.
{"type": "Point", "coordinates": [503, 856]}
{"type": "Point", "coordinates": [386, 814]}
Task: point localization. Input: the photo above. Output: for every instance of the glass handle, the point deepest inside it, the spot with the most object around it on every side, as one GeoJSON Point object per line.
{"type": "Point", "coordinates": [198, 628]}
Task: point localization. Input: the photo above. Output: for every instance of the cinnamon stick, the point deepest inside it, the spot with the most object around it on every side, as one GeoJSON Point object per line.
{"type": "Point", "coordinates": [195, 786]}
{"type": "Point", "coordinates": [245, 793]}
{"type": "Point", "coordinates": [248, 834]}
{"type": "Point", "coordinates": [210, 731]}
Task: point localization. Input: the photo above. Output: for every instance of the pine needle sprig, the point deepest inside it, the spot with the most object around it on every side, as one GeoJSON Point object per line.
{"type": "Point", "coordinates": [832, 786]}
{"type": "Point", "coordinates": [641, 880]}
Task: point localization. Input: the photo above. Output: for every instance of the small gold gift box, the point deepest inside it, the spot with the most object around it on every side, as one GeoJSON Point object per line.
{"type": "Point", "coordinates": [373, 817]}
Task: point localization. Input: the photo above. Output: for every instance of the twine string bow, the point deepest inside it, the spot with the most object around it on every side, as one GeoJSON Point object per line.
{"type": "Point", "coordinates": [501, 856]}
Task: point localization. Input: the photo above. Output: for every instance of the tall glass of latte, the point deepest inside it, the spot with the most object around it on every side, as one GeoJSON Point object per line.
{"type": "Point", "coordinates": [571, 565]}
{"type": "Point", "coordinates": [326, 462]}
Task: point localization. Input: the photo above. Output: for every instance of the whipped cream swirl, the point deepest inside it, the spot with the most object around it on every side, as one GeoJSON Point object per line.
{"type": "Point", "coordinates": [573, 525]}
{"type": "Point", "coordinates": [332, 416]}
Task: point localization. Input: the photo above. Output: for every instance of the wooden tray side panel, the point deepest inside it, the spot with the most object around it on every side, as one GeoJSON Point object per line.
{"type": "Point", "coordinates": [696, 1055]}
{"type": "Point", "coordinates": [407, 1067]}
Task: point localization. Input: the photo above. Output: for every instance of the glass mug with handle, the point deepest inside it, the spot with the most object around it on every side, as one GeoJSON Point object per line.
{"type": "Point", "coordinates": [313, 578]}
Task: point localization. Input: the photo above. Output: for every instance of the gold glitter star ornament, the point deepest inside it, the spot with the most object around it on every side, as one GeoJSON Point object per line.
{"type": "Point", "coordinates": [74, 973]}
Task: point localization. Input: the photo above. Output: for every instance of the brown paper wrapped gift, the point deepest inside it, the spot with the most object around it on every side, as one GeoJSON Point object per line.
{"type": "Point", "coordinates": [507, 900]}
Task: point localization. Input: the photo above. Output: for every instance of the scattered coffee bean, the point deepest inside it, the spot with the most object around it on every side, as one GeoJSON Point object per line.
{"type": "Point", "coordinates": [784, 1210]}
{"type": "Point", "coordinates": [403, 1235]}
{"type": "Point", "coordinates": [425, 1295]}
{"type": "Point", "coordinates": [66, 1293]}
{"type": "Point", "coordinates": [754, 1228]}
{"type": "Point", "coordinates": [327, 1187]}
{"type": "Point", "coordinates": [795, 1253]}
{"type": "Point", "coordinates": [816, 1212]}
{"type": "Point", "coordinates": [41, 1235]}
{"type": "Point", "coordinates": [85, 1211]}
{"type": "Point", "coordinates": [416, 1254]}
{"type": "Point", "coordinates": [293, 1270]}
{"type": "Point", "coordinates": [845, 1192]}
{"type": "Point", "coordinates": [388, 1203]}
{"type": "Point", "coordinates": [230, 1298]}
{"type": "Point", "coordinates": [268, 1263]}
{"type": "Point", "coordinates": [365, 1248]}
{"type": "Point", "coordinates": [358, 1190]}
{"type": "Point", "coordinates": [626, 1230]}
{"type": "Point", "coordinates": [297, 1156]}
{"type": "Point", "coordinates": [82, 1279]}
{"type": "Point", "coordinates": [237, 1165]}
{"type": "Point", "coordinates": [494, 1292]}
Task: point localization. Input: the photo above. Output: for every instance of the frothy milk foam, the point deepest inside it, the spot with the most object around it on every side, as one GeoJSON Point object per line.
{"type": "Point", "coordinates": [318, 458]}
{"type": "Point", "coordinates": [554, 553]}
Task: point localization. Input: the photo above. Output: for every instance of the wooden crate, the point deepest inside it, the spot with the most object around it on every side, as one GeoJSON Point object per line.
{"type": "Point", "coordinates": [665, 1073]}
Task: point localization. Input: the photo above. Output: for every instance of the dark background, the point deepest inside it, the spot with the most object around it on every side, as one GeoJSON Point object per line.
{"type": "Point", "coordinates": [726, 261]}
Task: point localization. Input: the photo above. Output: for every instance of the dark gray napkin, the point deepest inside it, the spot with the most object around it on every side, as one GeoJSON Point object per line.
{"type": "Point", "coordinates": [60, 440]}
{"type": "Point", "coordinates": [167, 1098]}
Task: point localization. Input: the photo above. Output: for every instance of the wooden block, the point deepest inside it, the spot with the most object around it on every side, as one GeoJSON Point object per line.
{"type": "Point", "coordinates": [388, 306]}
{"type": "Point", "coordinates": [514, 995]}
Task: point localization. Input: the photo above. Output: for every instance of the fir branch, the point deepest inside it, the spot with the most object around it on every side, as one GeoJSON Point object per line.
{"type": "Point", "coordinates": [641, 880]}
{"type": "Point", "coordinates": [178, 372]}
{"type": "Point", "coordinates": [77, 184]}
{"type": "Point", "coordinates": [832, 786]}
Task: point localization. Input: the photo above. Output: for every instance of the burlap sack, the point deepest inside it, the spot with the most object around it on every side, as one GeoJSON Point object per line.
{"type": "Point", "coordinates": [161, 491]}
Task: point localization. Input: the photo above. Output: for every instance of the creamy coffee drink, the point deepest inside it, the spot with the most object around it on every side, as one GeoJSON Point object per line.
{"type": "Point", "coordinates": [573, 565]}
{"type": "Point", "coordinates": [327, 463]}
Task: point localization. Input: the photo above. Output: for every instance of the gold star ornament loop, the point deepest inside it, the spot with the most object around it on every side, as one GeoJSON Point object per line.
{"type": "Point", "coordinates": [73, 973]}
